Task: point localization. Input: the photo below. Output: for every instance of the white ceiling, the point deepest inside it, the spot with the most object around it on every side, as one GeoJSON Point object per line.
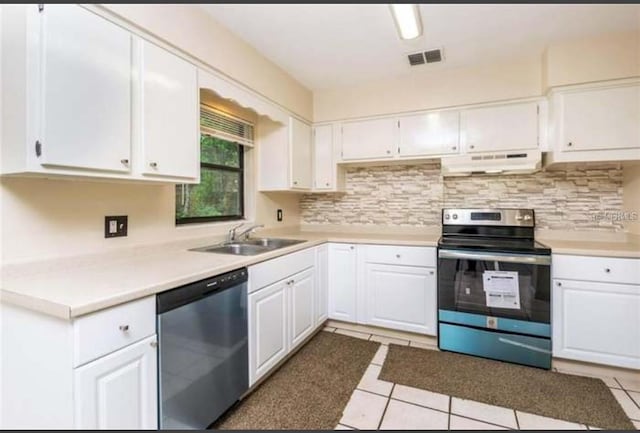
{"type": "Point", "coordinates": [335, 45]}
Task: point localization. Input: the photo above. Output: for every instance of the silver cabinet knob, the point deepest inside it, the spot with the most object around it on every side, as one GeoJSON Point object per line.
{"type": "Point", "coordinates": [607, 270]}
{"type": "Point", "coordinates": [472, 147]}
{"type": "Point", "coordinates": [431, 272]}
{"type": "Point", "coordinates": [454, 148]}
{"type": "Point", "coordinates": [124, 328]}
{"type": "Point", "coordinates": [327, 184]}
{"type": "Point", "coordinates": [388, 152]}
{"type": "Point", "coordinates": [559, 284]}
{"type": "Point", "coordinates": [569, 144]}
{"type": "Point", "coordinates": [295, 182]}
{"type": "Point", "coordinates": [153, 164]}
{"type": "Point", "coordinates": [397, 256]}
{"type": "Point", "coordinates": [124, 161]}
{"type": "Point", "coordinates": [351, 247]}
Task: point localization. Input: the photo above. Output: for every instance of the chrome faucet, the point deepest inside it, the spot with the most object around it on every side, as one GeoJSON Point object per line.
{"type": "Point", "coordinates": [234, 236]}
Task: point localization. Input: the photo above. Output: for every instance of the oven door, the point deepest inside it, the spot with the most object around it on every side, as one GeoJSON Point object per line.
{"type": "Point", "coordinates": [475, 287]}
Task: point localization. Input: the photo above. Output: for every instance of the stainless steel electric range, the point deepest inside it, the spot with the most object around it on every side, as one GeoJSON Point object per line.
{"type": "Point", "coordinates": [494, 283]}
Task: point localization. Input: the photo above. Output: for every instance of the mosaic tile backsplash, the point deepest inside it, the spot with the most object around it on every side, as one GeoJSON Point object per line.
{"type": "Point", "coordinates": [576, 198]}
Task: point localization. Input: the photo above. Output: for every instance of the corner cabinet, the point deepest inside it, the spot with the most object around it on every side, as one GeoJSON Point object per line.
{"type": "Point", "coordinates": [597, 122]}
{"type": "Point", "coordinates": [285, 155]}
{"type": "Point", "coordinates": [108, 104]}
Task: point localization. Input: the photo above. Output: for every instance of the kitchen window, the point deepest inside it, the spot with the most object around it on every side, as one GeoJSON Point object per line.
{"type": "Point", "coordinates": [220, 194]}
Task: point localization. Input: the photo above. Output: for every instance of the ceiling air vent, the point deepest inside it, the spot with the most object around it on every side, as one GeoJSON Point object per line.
{"type": "Point", "coordinates": [433, 56]}
{"type": "Point", "coordinates": [416, 59]}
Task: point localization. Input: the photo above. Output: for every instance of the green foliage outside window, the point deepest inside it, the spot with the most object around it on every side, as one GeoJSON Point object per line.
{"type": "Point", "coordinates": [219, 195]}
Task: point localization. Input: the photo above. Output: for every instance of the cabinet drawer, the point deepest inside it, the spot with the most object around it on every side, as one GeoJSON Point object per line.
{"type": "Point", "coordinates": [266, 273]}
{"type": "Point", "coordinates": [108, 330]}
{"type": "Point", "coordinates": [605, 269]}
{"type": "Point", "coordinates": [401, 255]}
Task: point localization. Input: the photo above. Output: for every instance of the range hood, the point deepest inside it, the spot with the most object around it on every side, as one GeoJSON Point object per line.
{"type": "Point", "coordinates": [514, 162]}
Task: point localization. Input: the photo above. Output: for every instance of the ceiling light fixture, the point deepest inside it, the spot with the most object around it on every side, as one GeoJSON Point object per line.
{"type": "Point", "coordinates": [407, 18]}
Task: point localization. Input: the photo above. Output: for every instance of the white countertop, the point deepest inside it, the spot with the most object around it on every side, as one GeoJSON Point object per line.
{"type": "Point", "coordinates": [71, 287]}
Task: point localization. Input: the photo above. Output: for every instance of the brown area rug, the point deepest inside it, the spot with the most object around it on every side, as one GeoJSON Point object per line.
{"type": "Point", "coordinates": [309, 391]}
{"type": "Point", "coordinates": [562, 396]}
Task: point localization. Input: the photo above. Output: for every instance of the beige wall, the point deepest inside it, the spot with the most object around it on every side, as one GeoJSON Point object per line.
{"type": "Point", "coordinates": [597, 58]}
{"type": "Point", "coordinates": [424, 89]}
{"type": "Point", "coordinates": [194, 31]}
{"type": "Point", "coordinates": [631, 197]}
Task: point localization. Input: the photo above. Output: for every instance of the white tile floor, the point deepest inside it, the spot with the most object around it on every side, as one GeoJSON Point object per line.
{"type": "Point", "coordinates": [377, 404]}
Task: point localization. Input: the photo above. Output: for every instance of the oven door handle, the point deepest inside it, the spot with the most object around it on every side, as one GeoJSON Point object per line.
{"type": "Point", "coordinates": [495, 257]}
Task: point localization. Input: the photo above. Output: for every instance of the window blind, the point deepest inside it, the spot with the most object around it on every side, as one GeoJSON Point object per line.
{"type": "Point", "coordinates": [225, 126]}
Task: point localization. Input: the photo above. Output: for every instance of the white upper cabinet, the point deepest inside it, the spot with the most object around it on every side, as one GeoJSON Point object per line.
{"type": "Point", "coordinates": [323, 163]}
{"type": "Point", "coordinates": [86, 90]}
{"type": "Point", "coordinates": [369, 139]}
{"type": "Point", "coordinates": [91, 99]}
{"type": "Point", "coordinates": [500, 128]}
{"type": "Point", "coordinates": [300, 150]}
{"type": "Point", "coordinates": [170, 114]}
{"type": "Point", "coordinates": [599, 119]}
{"type": "Point", "coordinates": [285, 155]}
{"type": "Point", "coordinates": [429, 134]}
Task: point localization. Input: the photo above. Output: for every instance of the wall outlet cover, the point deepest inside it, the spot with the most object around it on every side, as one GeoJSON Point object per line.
{"type": "Point", "coordinates": [115, 226]}
{"type": "Point", "coordinates": [279, 214]}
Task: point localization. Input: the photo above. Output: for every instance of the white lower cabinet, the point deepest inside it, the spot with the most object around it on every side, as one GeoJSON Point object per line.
{"type": "Point", "coordinates": [301, 294]}
{"type": "Point", "coordinates": [401, 297]}
{"type": "Point", "coordinates": [282, 298]}
{"type": "Point", "coordinates": [596, 310]}
{"type": "Point", "coordinates": [322, 284]}
{"type": "Point", "coordinates": [267, 329]}
{"type": "Point", "coordinates": [119, 390]}
{"type": "Point", "coordinates": [343, 281]}
{"type": "Point", "coordinates": [597, 322]}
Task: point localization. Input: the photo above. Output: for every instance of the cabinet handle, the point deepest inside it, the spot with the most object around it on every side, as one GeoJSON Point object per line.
{"type": "Point", "coordinates": [154, 344]}
{"type": "Point", "coordinates": [559, 284]}
{"type": "Point", "coordinates": [454, 148]}
{"type": "Point", "coordinates": [388, 152]}
{"type": "Point", "coordinates": [153, 164]}
{"type": "Point", "coordinates": [607, 270]}
{"type": "Point", "coordinates": [124, 328]}
{"type": "Point", "coordinates": [124, 161]}
{"type": "Point", "coordinates": [397, 256]}
{"type": "Point", "coordinates": [569, 144]}
{"type": "Point", "coordinates": [295, 182]}
{"type": "Point", "coordinates": [431, 272]}
{"type": "Point", "coordinates": [471, 147]}
{"type": "Point", "coordinates": [327, 184]}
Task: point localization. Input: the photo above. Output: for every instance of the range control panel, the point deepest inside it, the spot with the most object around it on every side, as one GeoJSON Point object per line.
{"type": "Point", "coordinates": [489, 217]}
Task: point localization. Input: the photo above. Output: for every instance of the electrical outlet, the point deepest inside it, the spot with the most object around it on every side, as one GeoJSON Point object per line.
{"type": "Point", "coordinates": [279, 214]}
{"type": "Point", "coordinates": [115, 226]}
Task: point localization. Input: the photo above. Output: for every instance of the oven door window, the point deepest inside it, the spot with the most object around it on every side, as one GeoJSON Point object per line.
{"type": "Point", "coordinates": [462, 287]}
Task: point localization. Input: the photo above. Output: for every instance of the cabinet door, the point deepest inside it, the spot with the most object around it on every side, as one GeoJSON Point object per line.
{"type": "Point", "coordinates": [323, 163]}
{"type": "Point", "coordinates": [86, 90]}
{"type": "Point", "coordinates": [342, 282]}
{"type": "Point", "coordinates": [500, 128]}
{"type": "Point", "coordinates": [429, 134]}
{"type": "Point", "coordinates": [322, 284]}
{"type": "Point", "coordinates": [300, 142]}
{"type": "Point", "coordinates": [369, 139]}
{"type": "Point", "coordinates": [268, 342]}
{"type": "Point", "coordinates": [401, 297]}
{"type": "Point", "coordinates": [597, 322]}
{"type": "Point", "coordinates": [119, 391]}
{"type": "Point", "coordinates": [301, 301]}
{"type": "Point", "coordinates": [600, 119]}
{"type": "Point", "coordinates": [170, 137]}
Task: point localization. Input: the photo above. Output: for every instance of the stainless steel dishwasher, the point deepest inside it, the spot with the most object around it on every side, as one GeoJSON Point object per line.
{"type": "Point", "coordinates": [203, 350]}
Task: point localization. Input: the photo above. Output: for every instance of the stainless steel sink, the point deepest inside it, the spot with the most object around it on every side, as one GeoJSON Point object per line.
{"type": "Point", "coordinates": [249, 247]}
{"type": "Point", "coordinates": [273, 243]}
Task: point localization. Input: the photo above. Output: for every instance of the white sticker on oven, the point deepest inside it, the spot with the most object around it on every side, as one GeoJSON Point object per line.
{"type": "Point", "coordinates": [501, 289]}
